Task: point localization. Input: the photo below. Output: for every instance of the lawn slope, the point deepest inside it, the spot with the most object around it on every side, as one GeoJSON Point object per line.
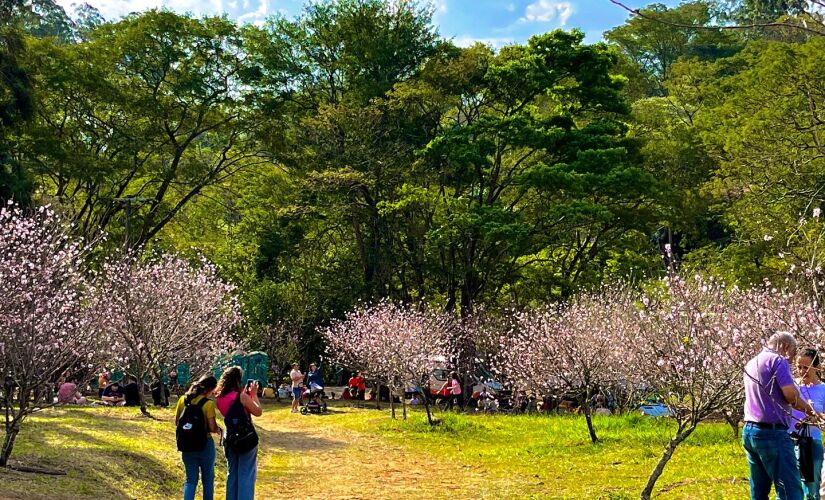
{"type": "Point", "coordinates": [362, 453]}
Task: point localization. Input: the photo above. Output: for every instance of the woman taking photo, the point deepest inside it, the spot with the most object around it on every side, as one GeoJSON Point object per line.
{"type": "Point", "coordinates": [812, 390]}
{"type": "Point", "coordinates": [237, 403]}
{"type": "Point", "coordinates": [195, 423]}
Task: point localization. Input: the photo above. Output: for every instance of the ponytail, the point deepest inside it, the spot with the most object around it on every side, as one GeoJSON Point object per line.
{"type": "Point", "coordinates": [206, 383]}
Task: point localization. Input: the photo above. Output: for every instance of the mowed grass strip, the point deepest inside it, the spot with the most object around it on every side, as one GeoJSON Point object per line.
{"type": "Point", "coordinates": [116, 453]}
{"type": "Point", "coordinates": [538, 456]}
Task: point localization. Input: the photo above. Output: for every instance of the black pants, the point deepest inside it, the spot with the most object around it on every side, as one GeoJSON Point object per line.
{"type": "Point", "coordinates": [454, 398]}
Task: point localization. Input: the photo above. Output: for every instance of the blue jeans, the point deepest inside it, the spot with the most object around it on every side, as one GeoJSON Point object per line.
{"type": "Point", "coordinates": [772, 460]}
{"type": "Point", "coordinates": [200, 463]}
{"type": "Point", "coordinates": [812, 489]}
{"type": "Point", "coordinates": [241, 471]}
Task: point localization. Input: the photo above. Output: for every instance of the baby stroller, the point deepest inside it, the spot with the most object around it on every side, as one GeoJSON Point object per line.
{"type": "Point", "coordinates": [314, 397]}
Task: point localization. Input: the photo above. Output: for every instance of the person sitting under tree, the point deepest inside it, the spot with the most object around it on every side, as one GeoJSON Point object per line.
{"type": "Point", "coordinates": [113, 395]}
{"type": "Point", "coordinates": [68, 394]}
{"type": "Point", "coordinates": [357, 386]}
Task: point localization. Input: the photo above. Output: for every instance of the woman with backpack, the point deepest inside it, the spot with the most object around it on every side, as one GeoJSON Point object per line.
{"type": "Point", "coordinates": [195, 423]}
{"type": "Point", "coordinates": [237, 404]}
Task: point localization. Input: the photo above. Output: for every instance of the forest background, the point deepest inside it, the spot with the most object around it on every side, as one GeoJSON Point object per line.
{"type": "Point", "coordinates": [352, 153]}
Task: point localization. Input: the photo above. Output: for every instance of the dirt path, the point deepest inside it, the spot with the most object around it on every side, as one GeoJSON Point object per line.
{"type": "Point", "coordinates": [309, 456]}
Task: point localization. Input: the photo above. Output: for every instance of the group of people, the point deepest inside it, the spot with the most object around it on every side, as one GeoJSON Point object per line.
{"type": "Point", "coordinates": [109, 393]}
{"type": "Point", "coordinates": [313, 382]}
{"type": "Point", "coordinates": [783, 415]}
{"type": "Point", "coordinates": [237, 403]}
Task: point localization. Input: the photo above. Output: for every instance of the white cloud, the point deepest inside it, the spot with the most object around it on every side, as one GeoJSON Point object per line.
{"type": "Point", "coordinates": [256, 16]}
{"type": "Point", "coordinates": [544, 11]}
{"type": "Point", "coordinates": [440, 8]}
{"type": "Point", "coordinates": [467, 41]}
{"type": "Point", "coordinates": [249, 10]}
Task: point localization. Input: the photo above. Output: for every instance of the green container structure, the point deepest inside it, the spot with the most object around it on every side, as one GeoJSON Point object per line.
{"type": "Point", "coordinates": [255, 366]}
{"type": "Point", "coordinates": [183, 374]}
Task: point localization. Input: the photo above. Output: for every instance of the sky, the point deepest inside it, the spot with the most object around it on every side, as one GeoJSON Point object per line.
{"type": "Point", "coordinates": [495, 22]}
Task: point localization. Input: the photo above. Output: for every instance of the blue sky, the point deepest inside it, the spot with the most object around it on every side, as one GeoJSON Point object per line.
{"type": "Point", "coordinates": [497, 22]}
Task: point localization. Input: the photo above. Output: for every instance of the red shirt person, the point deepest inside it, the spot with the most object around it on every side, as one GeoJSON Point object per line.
{"type": "Point", "coordinates": [358, 385]}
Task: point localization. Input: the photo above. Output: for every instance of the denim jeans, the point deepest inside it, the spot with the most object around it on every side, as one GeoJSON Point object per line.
{"type": "Point", "coordinates": [812, 489]}
{"type": "Point", "coordinates": [241, 471]}
{"type": "Point", "coordinates": [200, 463]}
{"type": "Point", "coordinates": [772, 460]}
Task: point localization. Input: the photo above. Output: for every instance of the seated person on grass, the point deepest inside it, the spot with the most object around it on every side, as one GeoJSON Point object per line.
{"type": "Point", "coordinates": [68, 394]}
{"type": "Point", "coordinates": [357, 385]}
{"type": "Point", "coordinates": [113, 395]}
{"type": "Point", "coordinates": [131, 393]}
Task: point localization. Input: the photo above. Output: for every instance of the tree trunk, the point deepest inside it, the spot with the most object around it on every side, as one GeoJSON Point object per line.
{"type": "Point", "coordinates": [144, 408]}
{"type": "Point", "coordinates": [378, 395]}
{"type": "Point", "coordinates": [392, 403]}
{"type": "Point", "coordinates": [588, 417]}
{"type": "Point", "coordinates": [404, 408]}
{"type": "Point", "coordinates": [681, 435]}
{"type": "Point", "coordinates": [8, 443]}
{"type": "Point", "coordinates": [427, 408]}
{"type": "Point", "coordinates": [733, 421]}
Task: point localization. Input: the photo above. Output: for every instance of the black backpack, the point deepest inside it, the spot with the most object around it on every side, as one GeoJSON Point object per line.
{"type": "Point", "coordinates": [191, 432]}
{"type": "Point", "coordinates": [241, 436]}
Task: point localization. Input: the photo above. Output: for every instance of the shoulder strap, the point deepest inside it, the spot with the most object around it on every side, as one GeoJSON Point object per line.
{"type": "Point", "coordinates": [203, 402]}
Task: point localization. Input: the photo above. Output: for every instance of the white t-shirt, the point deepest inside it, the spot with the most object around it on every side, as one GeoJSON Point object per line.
{"type": "Point", "coordinates": [815, 395]}
{"type": "Point", "coordinates": [297, 378]}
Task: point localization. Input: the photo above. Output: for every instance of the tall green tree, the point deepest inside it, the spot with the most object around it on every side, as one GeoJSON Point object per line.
{"type": "Point", "coordinates": [661, 35]}
{"type": "Point", "coordinates": [766, 131]}
{"type": "Point", "coordinates": [135, 122]}
{"type": "Point", "coordinates": [16, 102]}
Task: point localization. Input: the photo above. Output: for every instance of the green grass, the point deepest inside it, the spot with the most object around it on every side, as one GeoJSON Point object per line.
{"type": "Point", "coordinates": [528, 455]}
{"type": "Point", "coordinates": [115, 453]}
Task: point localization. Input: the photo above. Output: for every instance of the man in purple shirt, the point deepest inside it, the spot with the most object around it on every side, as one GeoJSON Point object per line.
{"type": "Point", "coordinates": [770, 393]}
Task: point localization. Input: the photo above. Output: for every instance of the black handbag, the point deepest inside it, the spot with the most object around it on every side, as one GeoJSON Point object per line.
{"type": "Point", "coordinates": [805, 448]}
{"type": "Point", "coordinates": [241, 436]}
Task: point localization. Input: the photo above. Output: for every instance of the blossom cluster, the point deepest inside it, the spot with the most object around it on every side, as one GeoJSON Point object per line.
{"type": "Point", "coordinates": [61, 319]}
{"type": "Point", "coordinates": [45, 321]}
{"type": "Point", "coordinates": [158, 313]}
{"type": "Point", "coordinates": [392, 343]}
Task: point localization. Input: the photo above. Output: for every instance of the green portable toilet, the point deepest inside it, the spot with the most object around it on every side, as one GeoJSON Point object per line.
{"type": "Point", "coordinates": [257, 367]}
{"type": "Point", "coordinates": [183, 374]}
{"type": "Point", "coordinates": [225, 361]}
{"type": "Point", "coordinates": [116, 376]}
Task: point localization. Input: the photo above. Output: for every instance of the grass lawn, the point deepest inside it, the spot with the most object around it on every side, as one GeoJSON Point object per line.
{"type": "Point", "coordinates": [115, 453]}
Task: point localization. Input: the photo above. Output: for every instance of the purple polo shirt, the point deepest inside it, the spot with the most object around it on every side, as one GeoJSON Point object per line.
{"type": "Point", "coordinates": [764, 401]}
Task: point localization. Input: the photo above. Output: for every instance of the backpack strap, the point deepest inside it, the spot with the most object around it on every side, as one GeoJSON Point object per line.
{"type": "Point", "coordinates": [199, 404]}
{"type": "Point", "coordinates": [241, 406]}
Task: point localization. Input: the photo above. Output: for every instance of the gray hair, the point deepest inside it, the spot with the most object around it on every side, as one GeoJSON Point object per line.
{"type": "Point", "coordinates": [781, 339]}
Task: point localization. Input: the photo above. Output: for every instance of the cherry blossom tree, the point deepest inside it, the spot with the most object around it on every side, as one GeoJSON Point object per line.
{"type": "Point", "coordinates": [569, 348]}
{"type": "Point", "coordinates": [163, 312]}
{"type": "Point", "coordinates": [684, 342]}
{"type": "Point", "coordinates": [44, 322]}
{"type": "Point", "coordinates": [394, 343]}
{"type": "Point", "coordinates": [476, 343]}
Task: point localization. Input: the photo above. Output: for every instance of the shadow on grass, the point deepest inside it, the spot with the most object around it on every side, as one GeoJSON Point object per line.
{"type": "Point", "coordinates": [101, 468]}
{"type": "Point", "coordinates": [290, 441]}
